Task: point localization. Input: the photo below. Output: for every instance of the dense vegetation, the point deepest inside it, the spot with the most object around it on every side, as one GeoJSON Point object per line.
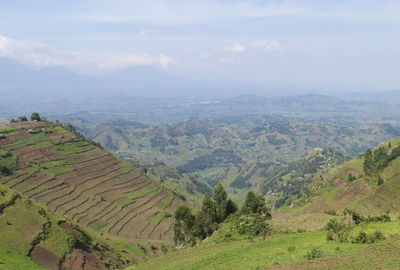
{"type": "Point", "coordinates": [250, 220]}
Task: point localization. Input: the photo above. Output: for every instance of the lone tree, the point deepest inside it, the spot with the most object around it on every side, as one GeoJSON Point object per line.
{"type": "Point", "coordinates": [35, 117]}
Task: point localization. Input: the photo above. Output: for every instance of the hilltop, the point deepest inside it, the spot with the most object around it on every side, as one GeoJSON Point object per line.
{"type": "Point", "coordinates": [57, 167]}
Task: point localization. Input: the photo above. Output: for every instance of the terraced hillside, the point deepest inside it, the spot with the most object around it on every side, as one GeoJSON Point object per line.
{"type": "Point", "coordinates": [31, 237]}
{"type": "Point", "coordinates": [79, 180]}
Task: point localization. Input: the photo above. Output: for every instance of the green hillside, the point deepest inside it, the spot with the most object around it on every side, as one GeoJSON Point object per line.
{"type": "Point", "coordinates": [287, 250]}
{"type": "Point", "coordinates": [369, 184]}
{"type": "Point", "coordinates": [55, 166]}
{"type": "Point", "coordinates": [331, 224]}
{"type": "Point", "coordinates": [32, 237]}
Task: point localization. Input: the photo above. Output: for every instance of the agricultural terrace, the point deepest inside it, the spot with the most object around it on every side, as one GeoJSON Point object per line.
{"type": "Point", "coordinates": [78, 179]}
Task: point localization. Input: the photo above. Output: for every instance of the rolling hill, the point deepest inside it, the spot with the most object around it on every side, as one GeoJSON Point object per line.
{"type": "Point", "coordinates": [368, 186]}
{"type": "Point", "coordinates": [55, 166]}
{"type": "Point", "coordinates": [242, 153]}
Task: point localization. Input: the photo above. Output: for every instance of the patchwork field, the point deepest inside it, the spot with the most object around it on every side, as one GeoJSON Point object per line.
{"type": "Point", "coordinates": [79, 180]}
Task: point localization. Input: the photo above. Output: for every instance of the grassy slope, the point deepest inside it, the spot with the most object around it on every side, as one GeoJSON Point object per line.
{"type": "Point", "coordinates": [278, 249]}
{"type": "Point", "coordinates": [307, 212]}
{"type": "Point", "coordinates": [334, 191]}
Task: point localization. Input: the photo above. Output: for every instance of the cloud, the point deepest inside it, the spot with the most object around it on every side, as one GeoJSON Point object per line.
{"type": "Point", "coordinates": [236, 48]}
{"type": "Point", "coordinates": [42, 54]}
{"type": "Point", "coordinates": [267, 45]}
{"type": "Point", "coordinates": [35, 53]}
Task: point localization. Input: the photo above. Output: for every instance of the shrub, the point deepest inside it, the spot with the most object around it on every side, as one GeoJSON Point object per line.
{"type": "Point", "coordinates": [338, 231]}
{"type": "Point", "coordinates": [252, 225]}
{"type": "Point", "coordinates": [314, 254]}
{"type": "Point", "coordinates": [330, 212]}
{"type": "Point", "coordinates": [382, 218]}
{"type": "Point", "coordinates": [364, 238]}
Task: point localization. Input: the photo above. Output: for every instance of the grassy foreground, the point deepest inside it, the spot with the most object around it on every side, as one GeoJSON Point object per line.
{"type": "Point", "coordinates": [289, 249]}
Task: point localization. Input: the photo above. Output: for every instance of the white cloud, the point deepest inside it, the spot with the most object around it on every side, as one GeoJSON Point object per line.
{"type": "Point", "coordinates": [166, 61]}
{"type": "Point", "coordinates": [227, 54]}
{"type": "Point", "coordinates": [267, 45]}
{"type": "Point", "coordinates": [42, 54]}
{"type": "Point", "coordinates": [236, 48]}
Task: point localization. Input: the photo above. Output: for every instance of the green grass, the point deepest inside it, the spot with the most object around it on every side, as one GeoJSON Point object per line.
{"type": "Point", "coordinates": [58, 241]}
{"type": "Point", "coordinates": [72, 147]}
{"type": "Point", "coordinates": [30, 141]}
{"type": "Point", "coordinates": [389, 229]}
{"type": "Point", "coordinates": [7, 160]}
{"type": "Point", "coordinates": [157, 217]}
{"type": "Point", "coordinates": [20, 223]}
{"type": "Point", "coordinates": [164, 203]}
{"type": "Point", "coordinates": [218, 252]}
{"type": "Point", "coordinates": [12, 260]}
{"type": "Point", "coordinates": [54, 168]}
{"type": "Point", "coordinates": [8, 130]}
{"type": "Point", "coordinates": [130, 247]}
{"type": "Point", "coordinates": [129, 197]}
{"type": "Point", "coordinates": [280, 249]}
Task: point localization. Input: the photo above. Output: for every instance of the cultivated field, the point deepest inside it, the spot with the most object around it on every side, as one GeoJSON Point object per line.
{"type": "Point", "coordinates": [79, 180]}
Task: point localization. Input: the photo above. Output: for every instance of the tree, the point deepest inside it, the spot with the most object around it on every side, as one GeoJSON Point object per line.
{"type": "Point", "coordinates": [22, 119]}
{"type": "Point", "coordinates": [255, 204]}
{"type": "Point", "coordinates": [220, 198]}
{"type": "Point", "coordinates": [35, 117]}
{"type": "Point", "coordinates": [206, 221]}
{"type": "Point", "coordinates": [231, 207]}
{"type": "Point", "coordinates": [184, 223]}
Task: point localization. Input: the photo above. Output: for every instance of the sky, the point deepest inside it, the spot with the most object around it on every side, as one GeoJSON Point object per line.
{"type": "Point", "coordinates": [335, 43]}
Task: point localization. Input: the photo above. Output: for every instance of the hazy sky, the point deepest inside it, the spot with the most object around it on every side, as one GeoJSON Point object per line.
{"type": "Point", "coordinates": [321, 42]}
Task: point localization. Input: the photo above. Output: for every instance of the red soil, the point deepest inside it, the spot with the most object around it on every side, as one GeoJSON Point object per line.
{"type": "Point", "coordinates": [45, 258]}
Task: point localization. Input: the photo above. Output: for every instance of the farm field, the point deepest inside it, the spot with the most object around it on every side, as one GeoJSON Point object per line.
{"type": "Point", "coordinates": [77, 179]}
{"type": "Point", "coordinates": [32, 237]}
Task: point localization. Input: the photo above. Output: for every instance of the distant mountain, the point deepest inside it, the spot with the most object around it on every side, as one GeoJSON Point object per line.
{"type": "Point", "coordinates": [392, 96]}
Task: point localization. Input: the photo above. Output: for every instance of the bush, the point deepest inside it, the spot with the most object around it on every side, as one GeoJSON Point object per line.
{"type": "Point", "coordinates": [338, 231]}
{"type": "Point", "coordinates": [330, 212]}
{"type": "Point", "coordinates": [364, 238]}
{"type": "Point", "coordinates": [382, 218]}
{"type": "Point", "coordinates": [252, 225]}
{"type": "Point", "coordinates": [314, 254]}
